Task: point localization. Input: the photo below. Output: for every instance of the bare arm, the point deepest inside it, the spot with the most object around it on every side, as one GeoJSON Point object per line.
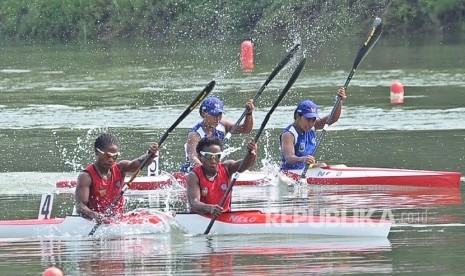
{"type": "Point", "coordinates": [193, 139]}
{"type": "Point", "coordinates": [127, 166]}
{"type": "Point", "coordinates": [233, 166]}
{"type": "Point", "coordinates": [246, 126]}
{"type": "Point", "coordinates": [193, 197]}
{"type": "Point", "coordinates": [81, 196]}
{"type": "Point", "coordinates": [287, 149]}
{"type": "Point", "coordinates": [320, 123]}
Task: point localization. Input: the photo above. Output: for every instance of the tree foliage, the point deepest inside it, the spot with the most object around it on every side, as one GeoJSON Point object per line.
{"type": "Point", "coordinates": [159, 20]}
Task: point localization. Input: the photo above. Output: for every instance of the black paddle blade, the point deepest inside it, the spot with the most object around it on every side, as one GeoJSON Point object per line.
{"type": "Point", "coordinates": [281, 65]}
{"type": "Point", "coordinates": [288, 86]}
{"type": "Point", "coordinates": [203, 94]}
{"type": "Point", "coordinates": [273, 74]}
{"type": "Point", "coordinates": [371, 40]}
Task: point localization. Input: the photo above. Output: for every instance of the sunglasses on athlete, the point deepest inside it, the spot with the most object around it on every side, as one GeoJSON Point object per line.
{"type": "Point", "coordinates": [113, 156]}
{"type": "Point", "coordinates": [211, 155]}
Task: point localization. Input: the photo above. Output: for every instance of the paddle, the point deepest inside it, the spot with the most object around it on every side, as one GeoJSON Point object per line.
{"type": "Point", "coordinates": [203, 94]}
{"type": "Point", "coordinates": [289, 84]}
{"type": "Point", "coordinates": [371, 40]}
{"type": "Point", "coordinates": [273, 74]}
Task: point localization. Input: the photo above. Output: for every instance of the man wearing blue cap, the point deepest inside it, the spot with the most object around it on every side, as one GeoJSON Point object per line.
{"type": "Point", "coordinates": [213, 125]}
{"type": "Point", "coordinates": [299, 139]}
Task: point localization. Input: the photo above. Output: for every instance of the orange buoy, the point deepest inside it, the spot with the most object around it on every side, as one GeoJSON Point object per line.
{"type": "Point", "coordinates": [247, 56]}
{"type": "Point", "coordinates": [397, 92]}
{"type": "Point", "coordinates": [53, 271]}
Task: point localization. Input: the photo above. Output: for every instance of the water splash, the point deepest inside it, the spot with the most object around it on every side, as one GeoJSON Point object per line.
{"type": "Point", "coordinates": [75, 157]}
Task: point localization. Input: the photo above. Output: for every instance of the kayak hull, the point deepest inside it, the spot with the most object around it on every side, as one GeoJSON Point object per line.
{"type": "Point", "coordinates": [162, 181]}
{"type": "Point", "coordinates": [32, 228]}
{"type": "Point", "coordinates": [239, 222]}
{"type": "Point", "coordinates": [256, 222]}
{"type": "Point", "coordinates": [378, 176]}
{"type": "Point", "coordinates": [333, 175]}
{"type": "Point", "coordinates": [73, 226]}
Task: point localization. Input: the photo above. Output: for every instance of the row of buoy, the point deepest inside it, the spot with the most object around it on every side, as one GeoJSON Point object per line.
{"type": "Point", "coordinates": [247, 63]}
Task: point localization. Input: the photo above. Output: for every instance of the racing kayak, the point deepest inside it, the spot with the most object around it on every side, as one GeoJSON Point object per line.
{"type": "Point", "coordinates": [239, 222]}
{"type": "Point", "coordinates": [331, 175]}
{"type": "Point", "coordinates": [257, 222]}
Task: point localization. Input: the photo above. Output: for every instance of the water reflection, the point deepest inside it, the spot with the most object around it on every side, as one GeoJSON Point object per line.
{"type": "Point", "coordinates": [174, 254]}
{"type": "Point", "coordinates": [103, 256]}
{"type": "Point", "coordinates": [275, 255]}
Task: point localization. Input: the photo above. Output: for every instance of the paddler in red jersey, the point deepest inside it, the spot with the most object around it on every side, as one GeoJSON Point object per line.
{"type": "Point", "coordinates": [207, 184]}
{"type": "Point", "coordinates": [99, 183]}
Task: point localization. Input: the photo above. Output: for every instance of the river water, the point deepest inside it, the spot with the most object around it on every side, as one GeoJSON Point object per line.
{"type": "Point", "coordinates": [54, 100]}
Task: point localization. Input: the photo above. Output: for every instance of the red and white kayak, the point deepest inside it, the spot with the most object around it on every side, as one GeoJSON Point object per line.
{"type": "Point", "coordinates": [73, 226]}
{"type": "Point", "coordinates": [256, 222]}
{"type": "Point", "coordinates": [239, 222]}
{"type": "Point", "coordinates": [163, 180]}
{"type": "Point", "coordinates": [341, 175]}
{"type": "Point", "coordinates": [139, 183]}
{"type": "Point", "coordinates": [332, 175]}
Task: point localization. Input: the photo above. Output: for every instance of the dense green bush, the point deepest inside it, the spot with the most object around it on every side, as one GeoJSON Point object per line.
{"type": "Point", "coordinates": [164, 20]}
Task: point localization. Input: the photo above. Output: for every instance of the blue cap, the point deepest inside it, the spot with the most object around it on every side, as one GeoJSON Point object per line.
{"type": "Point", "coordinates": [213, 106]}
{"type": "Point", "coordinates": [308, 109]}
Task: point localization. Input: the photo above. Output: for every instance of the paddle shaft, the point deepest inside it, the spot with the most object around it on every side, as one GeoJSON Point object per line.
{"type": "Point", "coordinates": [273, 74]}
{"type": "Point", "coordinates": [289, 84]}
{"type": "Point", "coordinates": [203, 94]}
{"type": "Point", "coordinates": [371, 40]}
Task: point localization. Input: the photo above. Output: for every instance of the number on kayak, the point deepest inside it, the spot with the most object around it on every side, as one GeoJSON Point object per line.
{"type": "Point", "coordinates": [45, 208]}
{"type": "Point", "coordinates": [153, 168]}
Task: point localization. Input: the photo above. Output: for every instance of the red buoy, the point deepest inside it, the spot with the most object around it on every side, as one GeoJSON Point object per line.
{"type": "Point", "coordinates": [247, 56]}
{"type": "Point", "coordinates": [53, 271]}
{"type": "Point", "coordinates": [397, 92]}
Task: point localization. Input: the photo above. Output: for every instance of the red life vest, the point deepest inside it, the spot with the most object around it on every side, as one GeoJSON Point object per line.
{"type": "Point", "coordinates": [103, 192]}
{"type": "Point", "coordinates": [212, 192]}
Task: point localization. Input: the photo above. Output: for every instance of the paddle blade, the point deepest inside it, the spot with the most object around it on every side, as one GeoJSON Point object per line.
{"type": "Point", "coordinates": [203, 94]}
{"type": "Point", "coordinates": [273, 74]}
{"type": "Point", "coordinates": [371, 40]}
{"type": "Point", "coordinates": [281, 64]}
{"type": "Point", "coordinates": [373, 37]}
{"type": "Point", "coordinates": [288, 86]}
